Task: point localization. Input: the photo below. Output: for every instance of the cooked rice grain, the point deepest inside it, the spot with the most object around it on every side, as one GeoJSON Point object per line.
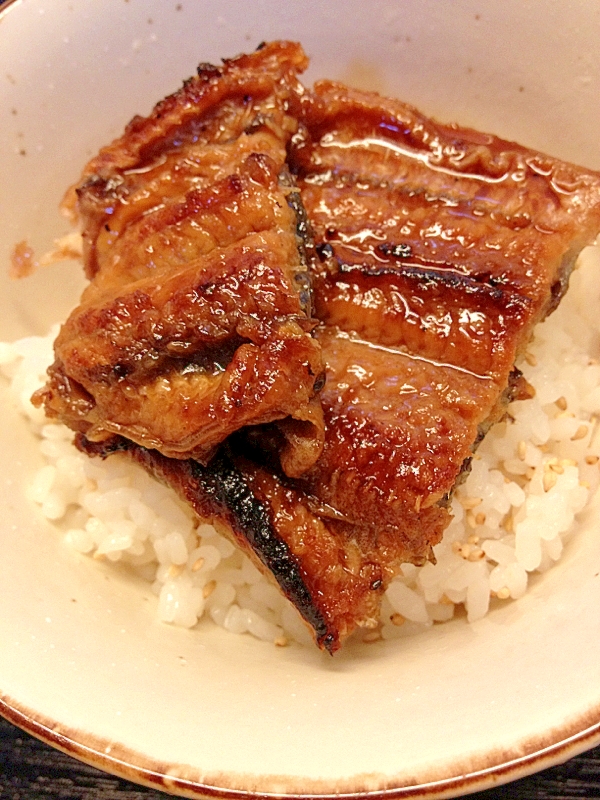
{"type": "Point", "coordinates": [513, 515]}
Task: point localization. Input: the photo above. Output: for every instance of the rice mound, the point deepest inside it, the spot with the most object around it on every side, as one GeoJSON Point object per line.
{"type": "Point", "coordinates": [512, 516]}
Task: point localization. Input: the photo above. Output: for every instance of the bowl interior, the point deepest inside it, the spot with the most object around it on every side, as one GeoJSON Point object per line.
{"type": "Point", "coordinates": [82, 653]}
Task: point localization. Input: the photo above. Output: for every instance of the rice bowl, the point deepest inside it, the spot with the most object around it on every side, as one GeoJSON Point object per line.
{"type": "Point", "coordinates": [202, 711]}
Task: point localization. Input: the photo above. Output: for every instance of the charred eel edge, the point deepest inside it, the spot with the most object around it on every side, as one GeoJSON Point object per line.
{"type": "Point", "coordinates": [221, 489]}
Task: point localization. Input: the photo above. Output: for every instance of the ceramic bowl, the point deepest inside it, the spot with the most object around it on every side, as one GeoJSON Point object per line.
{"type": "Point", "coordinates": [83, 663]}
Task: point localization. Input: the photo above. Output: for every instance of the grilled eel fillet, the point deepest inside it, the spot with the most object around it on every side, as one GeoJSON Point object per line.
{"type": "Point", "coordinates": [440, 250]}
{"type": "Point", "coordinates": [334, 581]}
{"type": "Point", "coordinates": [437, 251]}
{"type": "Point", "coordinates": [196, 321]}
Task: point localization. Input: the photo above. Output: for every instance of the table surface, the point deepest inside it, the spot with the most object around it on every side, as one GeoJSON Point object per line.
{"type": "Point", "coordinates": [30, 770]}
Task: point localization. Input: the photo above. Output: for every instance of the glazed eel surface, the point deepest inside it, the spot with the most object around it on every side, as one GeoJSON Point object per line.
{"type": "Point", "coordinates": [433, 251]}
{"type": "Point", "coordinates": [196, 321]}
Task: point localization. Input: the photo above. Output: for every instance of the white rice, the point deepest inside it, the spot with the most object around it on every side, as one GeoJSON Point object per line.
{"type": "Point", "coordinates": [513, 516]}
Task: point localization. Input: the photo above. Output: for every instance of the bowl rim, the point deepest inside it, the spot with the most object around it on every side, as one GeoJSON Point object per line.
{"type": "Point", "coordinates": [126, 763]}
{"type": "Point", "coordinates": [4, 5]}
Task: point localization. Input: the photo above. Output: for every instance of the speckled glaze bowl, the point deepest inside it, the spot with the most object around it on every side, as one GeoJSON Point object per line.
{"type": "Point", "coordinates": [83, 663]}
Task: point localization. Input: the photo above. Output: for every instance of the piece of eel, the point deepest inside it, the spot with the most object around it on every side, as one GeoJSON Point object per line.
{"type": "Point", "coordinates": [433, 251]}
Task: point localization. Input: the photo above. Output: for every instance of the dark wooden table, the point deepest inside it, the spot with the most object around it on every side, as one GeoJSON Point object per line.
{"type": "Point", "coordinates": [30, 770]}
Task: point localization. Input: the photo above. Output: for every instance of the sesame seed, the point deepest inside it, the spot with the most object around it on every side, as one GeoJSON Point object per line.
{"type": "Point", "coordinates": [522, 450]}
{"type": "Point", "coordinates": [476, 554]}
{"type": "Point", "coordinates": [531, 359]}
{"type": "Point", "coordinates": [175, 570]}
{"type": "Point", "coordinates": [549, 480]}
{"type": "Point", "coordinates": [397, 619]}
{"type": "Point", "coordinates": [470, 502]}
{"type": "Point", "coordinates": [371, 636]}
{"type": "Point", "coordinates": [591, 460]}
{"type": "Point", "coordinates": [281, 641]}
{"type": "Point", "coordinates": [561, 403]}
{"type": "Point", "coordinates": [208, 589]}
{"type": "Point", "coordinates": [480, 518]}
{"type": "Point", "coordinates": [580, 433]}
{"type": "Point", "coordinates": [503, 594]}
{"type": "Point", "coordinates": [198, 564]}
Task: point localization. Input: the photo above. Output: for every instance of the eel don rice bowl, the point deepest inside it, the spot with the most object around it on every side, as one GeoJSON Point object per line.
{"type": "Point", "coordinates": [505, 519]}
